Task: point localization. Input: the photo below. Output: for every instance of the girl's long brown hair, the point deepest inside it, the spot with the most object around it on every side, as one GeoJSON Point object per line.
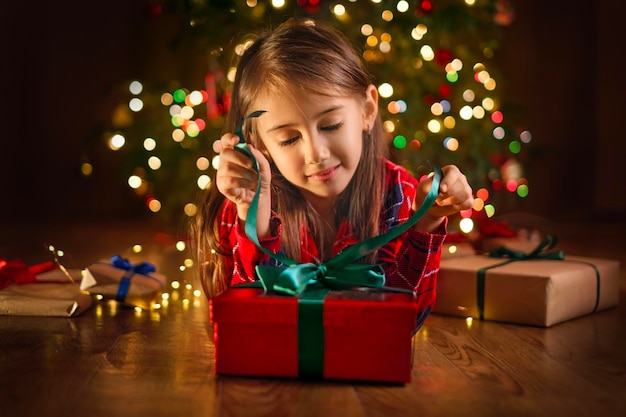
{"type": "Point", "coordinates": [299, 55]}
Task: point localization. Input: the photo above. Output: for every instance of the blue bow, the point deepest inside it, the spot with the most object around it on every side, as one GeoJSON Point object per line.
{"type": "Point", "coordinates": [142, 268]}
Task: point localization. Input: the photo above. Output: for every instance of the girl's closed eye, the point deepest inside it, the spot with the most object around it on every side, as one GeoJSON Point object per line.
{"type": "Point", "coordinates": [331, 128]}
{"type": "Point", "coordinates": [289, 141]}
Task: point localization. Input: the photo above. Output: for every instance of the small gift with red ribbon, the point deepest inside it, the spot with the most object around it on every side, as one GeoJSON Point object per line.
{"type": "Point", "coordinates": [542, 287]}
{"type": "Point", "coordinates": [334, 320]}
{"type": "Point", "coordinates": [137, 285]}
{"type": "Point", "coordinates": [44, 289]}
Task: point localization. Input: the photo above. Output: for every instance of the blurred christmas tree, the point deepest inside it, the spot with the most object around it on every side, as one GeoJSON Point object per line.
{"type": "Point", "coordinates": [433, 63]}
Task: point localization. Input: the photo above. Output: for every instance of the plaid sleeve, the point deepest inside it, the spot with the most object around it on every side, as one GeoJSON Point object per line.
{"type": "Point", "coordinates": [412, 260]}
{"type": "Point", "coordinates": [245, 254]}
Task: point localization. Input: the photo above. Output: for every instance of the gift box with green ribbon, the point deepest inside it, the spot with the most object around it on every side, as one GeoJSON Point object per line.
{"type": "Point", "coordinates": [540, 287]}
{"type": "Point", "coordinates": [359, 334]}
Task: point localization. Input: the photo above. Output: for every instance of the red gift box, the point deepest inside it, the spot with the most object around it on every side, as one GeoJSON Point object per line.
{"type": "Point", "coordinates": [362, 334]}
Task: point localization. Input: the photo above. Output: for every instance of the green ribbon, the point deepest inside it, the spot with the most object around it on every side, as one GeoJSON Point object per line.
{"type": "Point", "coordinates": [311, 282]}
{"type": "Point", "coordinates": [541, 251]}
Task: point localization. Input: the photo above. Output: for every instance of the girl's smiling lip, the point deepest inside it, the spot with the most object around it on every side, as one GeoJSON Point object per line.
{"type": "Point", "coordinates": [324, 175]}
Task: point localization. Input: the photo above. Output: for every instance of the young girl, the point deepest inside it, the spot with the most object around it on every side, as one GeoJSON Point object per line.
{"type": "Point", "coordinates": [326, 182]}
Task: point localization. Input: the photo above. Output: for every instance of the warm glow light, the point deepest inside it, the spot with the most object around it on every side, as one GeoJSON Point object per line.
{"type": "Point", "coordinates": [436, 109]}
{"type": "Point", "coordinates": [469, 95]}
{"type": "Point", "coordinates": [196, 98]}
{"type": "Point", "coordinates": [339, 10]}
{"type": "Point", "coordinates": [180, 246]}
{"type": "Point", "coordinates": [135, 87]}
{"type": "Point", "coordinates": [466, 225]}
{"type": "Point", "coordinates": [192, 129]}
{"type": "Point", "coordinates": [427, 53]}
{"type": "Point", "coordinates": [190, 209]}
{"type": "Point", "coordinates": [86, 169]}
{"type": "Point", "coordinates": [466, 112]}
{"type": "Point", "coordinates": [482, 76]}
{"type": "Point", "coordinates": [149, 144]}
{"type": "Point", "coordinates": [137, 248]}
{"type": "Point", "coordinates": [451, 143]}
{"type": "Point", "coordinates": [175, 110]}
{"type": "Point", "coordinates": [202, 163]}
{"type": "Point", "coordinates": [187, 112]}
{"type": "Point", "coordinates": [434, 126]}
{"type": "Point", "coordinates": [389, 126]}
{"type": "Point", "coordinates": [449, 122]}
{"type": "Point", "coordinates": [154, 205]}
{"type": "Point", "coordinates": [203, 182]}
{"type": "Point", "coordinates": [402, 6]}
{"type": "Point", "coordinates": [278, 3]}
{"type": "Point", "coordinates": [479, 204]}
{"type": "Point", "coordinates": [490, 84]}
{"type": "Point", "coordinates": [478, 112]}
{"type": "Point", "coordinates": [372, 41]}
{"type": "Point", "coordinates": [419, 31]}
{"type": "Point", "coordinates": [116, 141]}
{"type": "Point", "coordinates": [367, 30]}
{"type": "Point", "coordinates": [167, 99]}
{"type": "Point", "coordinates": [498, 133]}
{"type": "Point", "coordinates": [134, 181]}
{"type": "Point", "coordinates": [385, 90]}
{"type": "Point", "coordinates": [154, 162]}
{"type": "Point", "coordinates": [178, 135]}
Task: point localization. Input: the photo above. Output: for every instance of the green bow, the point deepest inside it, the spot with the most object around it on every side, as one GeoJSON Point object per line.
{"type": "Point", "coordinates": [294, 278]}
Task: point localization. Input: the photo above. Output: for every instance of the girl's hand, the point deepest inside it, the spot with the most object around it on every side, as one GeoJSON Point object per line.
{"type": "Point", "coordinates": [237, 180]}
{"type": "Point", "coordinates": [455, 194]}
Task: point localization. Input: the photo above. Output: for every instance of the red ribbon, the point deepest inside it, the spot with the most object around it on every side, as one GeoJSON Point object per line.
{"type": "Point", "coordinates": [15, 270]}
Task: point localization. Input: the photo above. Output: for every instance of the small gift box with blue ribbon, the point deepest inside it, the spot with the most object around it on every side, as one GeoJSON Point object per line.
{"type": "Point", "coordinates": [540, 287]}
{"type": "Point", "coordinates": [137, 285]}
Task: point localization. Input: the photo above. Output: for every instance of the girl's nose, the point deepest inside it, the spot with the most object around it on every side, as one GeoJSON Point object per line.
{"type": "Point", "coordinates": [316, 150]}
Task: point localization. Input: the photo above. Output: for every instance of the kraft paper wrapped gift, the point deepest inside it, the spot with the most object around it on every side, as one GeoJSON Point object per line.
{"type": "Point", "coordinates": [137, 285]}
{"type": "Point", "coordinates": [41, 290]}
{"type": "Point", "coordinates": [538, 292]}
{"type": "Point", "coordinates": [360, 335]}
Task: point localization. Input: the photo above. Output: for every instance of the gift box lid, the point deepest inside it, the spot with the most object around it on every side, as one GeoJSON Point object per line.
{"type": "Point", "coordinates": [357, 307]}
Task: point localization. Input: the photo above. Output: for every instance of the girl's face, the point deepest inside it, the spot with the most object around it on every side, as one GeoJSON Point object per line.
{"type": "Point", "coordinates": [315, 141]}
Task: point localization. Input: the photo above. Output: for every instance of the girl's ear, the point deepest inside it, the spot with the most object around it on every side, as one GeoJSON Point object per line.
{"type": "Point", "coordinates": [370, 107]}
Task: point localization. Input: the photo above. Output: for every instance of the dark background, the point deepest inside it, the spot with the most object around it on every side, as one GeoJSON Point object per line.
{"type": "Point", "coordinates": [562, 63]}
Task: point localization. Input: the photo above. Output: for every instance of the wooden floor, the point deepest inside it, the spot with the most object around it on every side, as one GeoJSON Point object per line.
{"type": "Point", "coordinates": [114, 361]}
